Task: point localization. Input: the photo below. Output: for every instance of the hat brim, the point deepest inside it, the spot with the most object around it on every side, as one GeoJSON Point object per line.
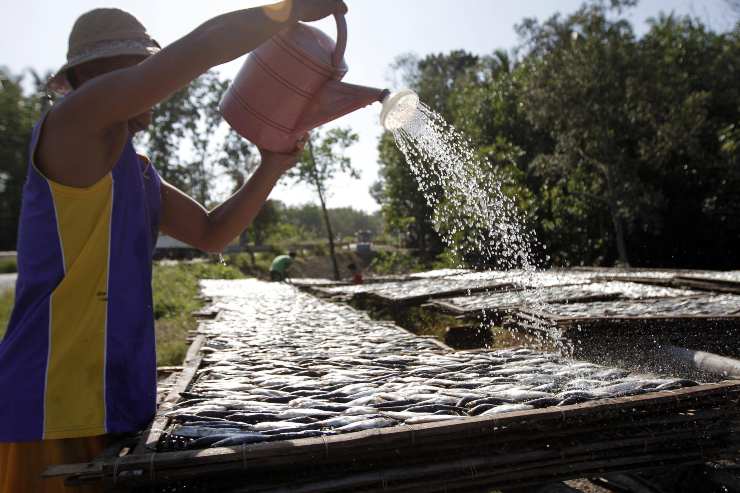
{"type": "Point", "coordinates": [59, 83]}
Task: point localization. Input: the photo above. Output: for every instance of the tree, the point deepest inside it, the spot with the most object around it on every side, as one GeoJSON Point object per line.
{"type": "Point", "coordinates": [321, 160]}
{"type": "Point", "coordinates": [404, 207]}
{"type": "Point", "coordinates": [264, 224]}
{"type": "Point", "coordinates": [189, 144]}
{"type": "Point", "coordinates": [18, 113]}
{"type": "Point", "coordinates": [575, 88]}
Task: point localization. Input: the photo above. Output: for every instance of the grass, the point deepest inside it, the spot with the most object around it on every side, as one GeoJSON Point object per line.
{"type": "Point", "coordinates": [6, 306]}
{"type": "Point", "coordinates": [175, 287]}
{"type": "Point", "coordinates": [8, 266]}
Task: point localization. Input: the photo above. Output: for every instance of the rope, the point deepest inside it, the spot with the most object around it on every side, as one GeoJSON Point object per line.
{"type": "Point", "coordinates": [151, 466]}
{"type": "Point", "coordinates": [244, 455]}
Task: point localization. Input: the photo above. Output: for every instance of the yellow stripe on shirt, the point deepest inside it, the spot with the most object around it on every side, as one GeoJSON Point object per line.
{"type": "Point", "coordinates": [75, 376]}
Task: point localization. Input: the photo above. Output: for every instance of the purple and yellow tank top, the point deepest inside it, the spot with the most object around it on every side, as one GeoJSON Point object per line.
{"type": "Point", "coordinates": [78, 358]}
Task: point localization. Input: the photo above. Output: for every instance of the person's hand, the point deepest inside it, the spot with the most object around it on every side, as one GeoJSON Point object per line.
{"type": "Point", "coordinates": [283, 161]}
{"type": "Point", "coordinates": [313, 10]}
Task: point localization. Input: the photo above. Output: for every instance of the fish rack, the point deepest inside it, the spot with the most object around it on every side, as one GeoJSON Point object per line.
{"type": "Point", "coordinates": [312, 282]}
{"type": "Point", "coordinates": [496, 306]}
{"type": "Point", "coordinates": [422, 289]}
{"type": "Point", "coordinates": [506, 450]}
{"type": "Point", "coordinates": [512, 450]}
{"type": "Point", "coordinates": [726, 282]}
{"type": "Point", "coordinates": [717, 329]}
{"type": "Point", "coordinates": [717, 281]}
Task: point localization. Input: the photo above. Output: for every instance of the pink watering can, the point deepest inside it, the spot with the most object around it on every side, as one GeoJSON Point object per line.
{"type": "Point", "coordinates": [291, 84]}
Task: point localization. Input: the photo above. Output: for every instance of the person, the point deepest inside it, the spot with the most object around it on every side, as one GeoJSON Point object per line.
{"type": "Point", "coordinates": [280, 266]}
{"type": "Point", "coordinates": [78, 359]}
{"type": "Point", "coordinates": [356, 273]}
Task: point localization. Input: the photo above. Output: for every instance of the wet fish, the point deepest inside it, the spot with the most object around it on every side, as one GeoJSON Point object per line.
{"type": "Point", "coordinates": [305, 412]}
{"type": "Point", "coordinates": [241, 439]}
{"type": "Point", "coordinates": [430, 418]}
{"type": "Point", "coordinates": [481, 408]}
{"type": "Point", "coordinates": [367, 424]}
{"type": "Point", "coordinates": [252, 418]}
{"type": "Point", "coordinates": [317, 367]}
{"type": "Point", "coordinates": [521, 395]}
{"type": "Point", "coordinates": [505, 408]}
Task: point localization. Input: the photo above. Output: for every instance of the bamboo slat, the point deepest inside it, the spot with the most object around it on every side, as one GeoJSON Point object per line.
{"type": "Point", "coordinates": [151, 435]}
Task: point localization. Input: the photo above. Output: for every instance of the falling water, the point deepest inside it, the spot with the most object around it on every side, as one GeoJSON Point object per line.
{"type": "Point", "coordinates": [471, 212]}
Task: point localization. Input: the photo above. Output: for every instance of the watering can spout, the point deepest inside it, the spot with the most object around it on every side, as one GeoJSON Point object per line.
{"type": "Point", "coordinates": [337, 99]}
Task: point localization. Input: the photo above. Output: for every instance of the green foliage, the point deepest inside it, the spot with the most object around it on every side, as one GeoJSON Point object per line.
{"type": "Point", "coordinates": [261, 266]}
{"type": "Point", "coordinates": [617, 148]}
{"type": "Point", "coordinates": [266, 222]}
{"type": "Point", "coordinates": [404, 208]}
{"type": "Point", "coordinates": [18, 113]}
{"type": "Point", "coordinates": [435, 78]}
{"type": "Point", "coordinates": [8, 266]}
{"type": "Point", "coordinates": [639, 125]}
{"type": "Point", "coordinates": [395, 262]}
{"type": "Point", "coordinates": [175, 287]}
{"type": "Point", "coordinates": [181, 143]}
{"type": "Point", "coordinates": [345, 221]}
{"type": "Point", "coordinates": [322, 159]}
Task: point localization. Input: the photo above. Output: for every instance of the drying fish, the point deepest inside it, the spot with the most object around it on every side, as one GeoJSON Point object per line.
{"type": "Point", "coordinates": [430, 418]}
{"type": "Point", "coordinates": [279, 371]}
{"type": "Point", "coordinates": [367, 424]}
{"type": "Point", "coordinates": [521, 395]}
{"type": "Point", "coordinates": [241, 439]}
{"type": "Point", "coordinates": [505, 408]}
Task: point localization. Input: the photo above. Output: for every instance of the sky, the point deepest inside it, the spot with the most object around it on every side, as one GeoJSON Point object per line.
{"type": "Point", "coordinates": [34, 33]}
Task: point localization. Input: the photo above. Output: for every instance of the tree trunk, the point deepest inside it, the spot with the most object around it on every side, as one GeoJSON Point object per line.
{"type": "Point", "coordinates": [331, 237]}
{"type": "Point", "coordinates": [618, 228]}
{"type": "Point", "coordinates": [327, 222]}
{"type": "Point", "coordinates": [244, 246]}
{"type": "Point", "coordinates": [621, 244]}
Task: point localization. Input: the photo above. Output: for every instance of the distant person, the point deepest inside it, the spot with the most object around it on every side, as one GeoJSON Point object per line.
{"type": "Point", "coordinates": [78, 359]}
{"type": "Point", "coordinates": [356, 274]}
{"type": "Point", "coordinates": [280, 266]}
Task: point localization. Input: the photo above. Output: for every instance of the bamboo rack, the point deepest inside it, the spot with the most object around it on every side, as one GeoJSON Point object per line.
{"type": "Point", "coordinates": [689, 425]}
{"type": "Point", "coordinates": [150, 437]}
{"type": "Point", "coordinates": [708, 333]}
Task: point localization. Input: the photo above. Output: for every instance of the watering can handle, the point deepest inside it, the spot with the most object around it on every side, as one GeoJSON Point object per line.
{"type": "Point", "coordinates": [341, 40]}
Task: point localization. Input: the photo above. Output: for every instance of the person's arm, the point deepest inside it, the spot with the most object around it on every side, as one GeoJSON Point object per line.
{"type": "Point", "coordinates": [122, 94]}
{"type": "Point", "coordinates": [186, 220]}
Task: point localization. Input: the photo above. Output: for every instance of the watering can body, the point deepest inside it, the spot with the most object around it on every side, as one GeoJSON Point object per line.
{"type": "Point", "coordinates": [291, 84]}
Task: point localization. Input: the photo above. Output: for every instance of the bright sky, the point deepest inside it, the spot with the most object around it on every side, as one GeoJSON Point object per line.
{"type": "Point", "coordinates": [33, 33]}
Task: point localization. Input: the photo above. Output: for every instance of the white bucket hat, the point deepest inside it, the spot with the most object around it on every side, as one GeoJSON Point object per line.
{"type": "Point", "coordinates": [102, 33]}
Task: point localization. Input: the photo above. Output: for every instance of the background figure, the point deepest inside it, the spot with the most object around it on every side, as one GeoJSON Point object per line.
{"type": "Point", "coordinates": [356, 273]}
{"type": "Point", "coordinates": [279, 267]}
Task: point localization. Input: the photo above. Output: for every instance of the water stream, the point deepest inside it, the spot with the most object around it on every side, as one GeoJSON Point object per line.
{"type": "Point", "coordinates": [474, 217]}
